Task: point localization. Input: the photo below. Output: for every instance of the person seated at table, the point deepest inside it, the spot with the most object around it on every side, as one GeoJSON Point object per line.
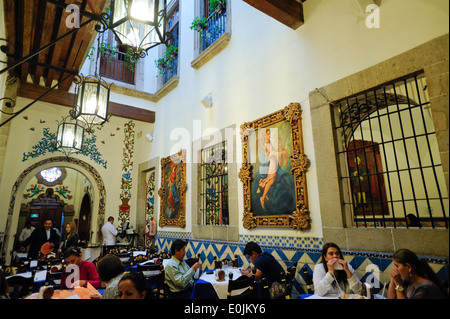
{"type": "Point", "coordinates": [265, 264]}
{"type": "Point", "coordinates": [333, 274]}
{"type": "Point", "coordinates": [26, 232]}
{"type": "Point", "coordinates": [179, 276]}
{"type": "Point", "coordinates": [132, 286]}
{"type": "Point", "coordinates": [110, 270]}
{"type": "Point", "coordinates": [413, 278]}
{"type": "Point", "coordinates": [70, 238]}
{"type": "Point", "coordinates": [87, 272]}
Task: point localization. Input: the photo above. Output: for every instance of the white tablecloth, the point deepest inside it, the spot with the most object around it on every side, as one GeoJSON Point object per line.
{"type": "Point", "coordinates": [91, 253]}
{"type": "Point", "coordinates": [221, 287]}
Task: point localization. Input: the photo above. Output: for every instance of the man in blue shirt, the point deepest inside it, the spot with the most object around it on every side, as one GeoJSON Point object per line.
{"type": "Point", "coordinates": [265, 264]}
{"type": "Point", "coordinates": [179, 276]}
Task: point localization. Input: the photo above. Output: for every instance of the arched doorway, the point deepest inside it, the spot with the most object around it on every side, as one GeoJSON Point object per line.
{"type": "Point", "coordinates": [84, 223]}
{"type": "Point", "coordinates": [98, 189]}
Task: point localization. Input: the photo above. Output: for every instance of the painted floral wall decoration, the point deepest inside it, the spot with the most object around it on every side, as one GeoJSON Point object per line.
{"type": "Point", "coordinates": [127, 167]}
{"type": "Point", "coordinates": [46, 144]}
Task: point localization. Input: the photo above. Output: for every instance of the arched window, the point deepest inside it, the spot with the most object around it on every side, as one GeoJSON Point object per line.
{"type": "Point", "coordinates": [390, 165]}
{"type": "Point", "coordinates": [51, 176]}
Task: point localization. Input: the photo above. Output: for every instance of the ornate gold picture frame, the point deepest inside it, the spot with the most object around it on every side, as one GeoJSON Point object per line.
{"type": "Point", "coordinates": [273, 172]}
{"type": "Point", "coordinates": [173, 190]}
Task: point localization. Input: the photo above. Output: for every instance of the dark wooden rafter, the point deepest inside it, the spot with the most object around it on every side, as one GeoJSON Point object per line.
{"type": "Point", "coordinates": [61, 97]}
{"type": "Point", "coordinates": [288, 12]}
{"type": "Point", "coordinates": [32, 24]}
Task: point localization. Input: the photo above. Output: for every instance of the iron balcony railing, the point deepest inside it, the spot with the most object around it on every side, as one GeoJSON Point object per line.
{"type": "Point", "coordinates": [169, 70]}
{"type": "Point", "coordinates": [216, 26]}
{"type": "Point", "coordinates": [114, 65]}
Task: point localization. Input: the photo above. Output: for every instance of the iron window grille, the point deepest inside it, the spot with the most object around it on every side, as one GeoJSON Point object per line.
{"type": "Point", "coordinates": [214, 185]}
{"type": "Point", "coordinates": [389, 158]}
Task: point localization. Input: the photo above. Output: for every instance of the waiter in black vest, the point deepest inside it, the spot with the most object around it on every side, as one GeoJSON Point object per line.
{"type": "Point", "coordinates": [39, 237]}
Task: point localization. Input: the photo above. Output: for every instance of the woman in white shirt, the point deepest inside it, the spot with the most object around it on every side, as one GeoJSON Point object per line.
{"type": "Point", "coordinates": [333, 269]}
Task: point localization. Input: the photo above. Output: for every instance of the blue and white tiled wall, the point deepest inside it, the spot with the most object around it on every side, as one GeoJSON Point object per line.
{"type": "Point", "coordinates": [306, 251]}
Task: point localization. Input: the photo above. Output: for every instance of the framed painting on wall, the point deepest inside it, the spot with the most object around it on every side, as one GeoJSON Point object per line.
{"type": "Point", "coordinates": [173, 190]}
{"type": "Point", "coordinates": [273, 172]}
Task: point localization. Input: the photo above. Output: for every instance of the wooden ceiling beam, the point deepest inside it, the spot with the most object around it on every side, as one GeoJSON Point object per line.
{"type": "Point", "coordinates": [31, 91]}
{"type": "Point", "coordinates": [60, 46]}
{"type": "Point", "coordinates": [80, 45]}
{"type": "Point", "coordinates": [28, 22]}
{"type": "Point", "coordinates": [288, 12]}
{"type": "Point", "coordinates": [50, 16]}
{"type": "Point", "coordinates": [38, 37]}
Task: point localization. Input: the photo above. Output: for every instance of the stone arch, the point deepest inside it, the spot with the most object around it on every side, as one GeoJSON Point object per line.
{"type": "Point", "coordinates": [89, 171]}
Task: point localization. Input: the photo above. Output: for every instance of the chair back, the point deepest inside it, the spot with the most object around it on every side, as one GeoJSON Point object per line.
{"type": "Point", "coordinates": [308, 280]}
{"type": "Point", "coordinates": [154, 279]}
{"type": "Point", "coordinates": [217, 263]}
{"type": "Point", "coordinates": [149, 270]}
{"type": "Point", "coordinates": [126, 258]}
{"type": "Point", "coordinates": [20, 286]}
{"type": "Point", "coordinates": [235, 262]}
{"type": "Point", "coordinates": [191, 261]}
{"type": "Point", "coordinates": [243, 282]}
{"type": "Point", "coordinates": [278, 290]}
{"type": "Point", "coordinates": [290, 277]}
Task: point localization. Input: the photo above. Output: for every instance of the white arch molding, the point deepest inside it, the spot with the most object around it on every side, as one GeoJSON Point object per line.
{"type": "Point", "coordinates": [98, 188]}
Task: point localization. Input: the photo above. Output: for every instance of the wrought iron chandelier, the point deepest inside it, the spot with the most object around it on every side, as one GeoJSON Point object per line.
{"type": "Point", "coordinates": [138, 25]}
{"type": "Point", "coordinates": [70, 136]}
{"type": "Point", "coordinates": [92, 99]}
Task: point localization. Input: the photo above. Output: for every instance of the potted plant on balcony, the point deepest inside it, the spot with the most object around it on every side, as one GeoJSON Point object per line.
{"type": "Point", "coordinates": [168, 57]}
{"type": "Point", "coordinates": [199, 24]}
{"type": "Point", "coordinates": [218, 6]}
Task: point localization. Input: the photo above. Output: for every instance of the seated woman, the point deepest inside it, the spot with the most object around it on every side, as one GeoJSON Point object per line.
{"type": "Point", "coordinates": [334, 275]}
{"type": "Point", "coordinates": [85, 271]}
{"type": "Point", "coordinates": [132, 286]}
{"type": "Point", "coordinates": [413, 278]}
{"type": "Point", "coordinates": [110, 269]}
{"type": "Point", "coordinates": [70, 238]}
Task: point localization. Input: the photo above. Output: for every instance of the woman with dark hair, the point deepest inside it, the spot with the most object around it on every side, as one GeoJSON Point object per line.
{"type": "Point", "coordinates": [333, 275]}
{"type": "Point", "coordinates": [412, 278]}
{"type": "Point", "coordinates": [110, 269]}
{"type": "Point", "coordinates": [132, 286]}
{"type": "Point", "coordinates": [412, 221]}
{"type": "Point", "coordinates": [80, 271]}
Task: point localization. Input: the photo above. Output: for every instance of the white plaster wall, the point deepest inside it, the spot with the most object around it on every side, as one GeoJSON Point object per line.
{"type": "Point", "coordinates": [266, 66]}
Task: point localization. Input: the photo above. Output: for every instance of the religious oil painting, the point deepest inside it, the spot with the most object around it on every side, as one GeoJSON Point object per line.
{"type": "Point", "coordinates": [274, 171]}
{"type": "Point", "coordinates": [173, 190]}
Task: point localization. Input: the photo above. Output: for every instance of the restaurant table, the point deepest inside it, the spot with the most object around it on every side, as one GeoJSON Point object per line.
{"type": "Point", "coordinates": [39, 277]}
{"type": "Point", "coordinates": [76, 293]}
{"type": "Point", "coordinates": [91, 253]}
{"type": "Point", "coordinates": [207, 287]}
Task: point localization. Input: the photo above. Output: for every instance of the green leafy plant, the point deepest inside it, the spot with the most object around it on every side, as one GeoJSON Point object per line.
{"type": "Point", "coordinates": [110, 52]}
{"type": "Point", "coordinates": [170, 55]}
{"type": "Point", "coordinates": [199, 24]}
{"type": "Point", "coordinates": [214, 5]}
